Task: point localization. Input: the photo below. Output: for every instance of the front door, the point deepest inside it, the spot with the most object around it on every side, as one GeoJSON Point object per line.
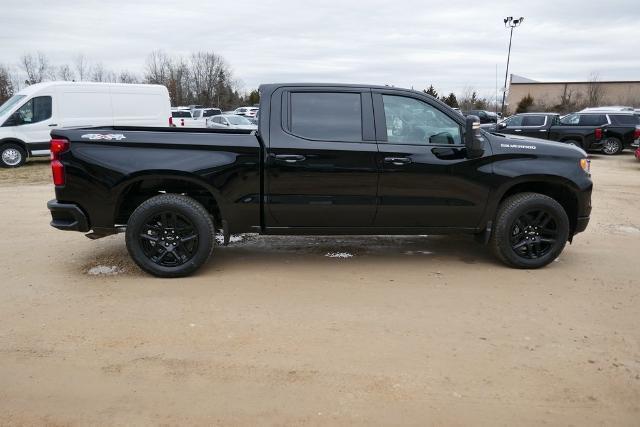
{"type": "Point", "coordinates": [426, 179]}
{"type": "Point", "coordinates": [321, 166]}
{"type": "Point", "coordinates": [33, 123]}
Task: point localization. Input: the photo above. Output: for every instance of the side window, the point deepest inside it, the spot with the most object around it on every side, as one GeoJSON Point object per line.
{"type": "Point", "coordinates": [196, 114]}
{"type": "Point", "coordinates": [33, 111]}
{"type": "Point", "coordinates": [571, 119]}
{"type": "Point", "coordinates": [514, 121]}
{"type": "Point", "coordinates": [326, 116]}
{"type": "Point", "coordinates": [592, 119]}
{"type": "Point", "coordinates": [410, 121]}
{"type": "Point", "coordinates": [533, 121]}
{"type": "Point", "coordinates": [625, 119]}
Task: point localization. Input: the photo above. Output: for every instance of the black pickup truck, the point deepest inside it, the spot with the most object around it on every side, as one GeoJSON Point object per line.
{"type": "Point", "coordinates": [609, 132]}
{"type": "Point", "coordinates": [326, 160]}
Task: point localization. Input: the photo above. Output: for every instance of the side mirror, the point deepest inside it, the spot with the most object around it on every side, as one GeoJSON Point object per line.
{"type": "Point", "coordinates": [473, 139]}
{"type": "Point", "coordinates": [502, 125]}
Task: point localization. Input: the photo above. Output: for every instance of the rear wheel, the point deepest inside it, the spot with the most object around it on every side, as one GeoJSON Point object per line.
{"type": "Point", "coordinates": [12, 156]}
{"type": "Point", "coordinates": [170, 235]}
{"type": "Point", "coordinates": [612, 146]}
{"type": "Point", "coordinates": [531, 230]}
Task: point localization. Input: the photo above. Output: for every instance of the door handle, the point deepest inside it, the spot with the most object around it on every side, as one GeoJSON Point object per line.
{"type": "Point", "coordinates": [542, 130]}
{"type": "Point", "coordinates": [397, 161]}
{"type": "Point", "coordinates": [517, 130]}
{"type": "Point", "coordinates": [290, 158]}
{"type": "Point", "coordinates": [53, 125]}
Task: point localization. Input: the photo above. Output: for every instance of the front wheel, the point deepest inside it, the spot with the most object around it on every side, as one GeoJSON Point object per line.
{"type": "Point", "coordinates": [530, 231]}
{"type": "Point", "coordinates": [12, 156]}
{"type": "Point", "coordinates": [170, 235]}
{"type": "Point", "coordinates": [612, 146]}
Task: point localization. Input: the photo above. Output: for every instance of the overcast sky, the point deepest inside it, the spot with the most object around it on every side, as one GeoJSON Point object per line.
{"type": "Point", "coordinates": [408, 43]}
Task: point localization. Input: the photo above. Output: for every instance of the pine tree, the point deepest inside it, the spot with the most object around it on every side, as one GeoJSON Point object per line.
{"type": "Point", "coordinates": [431, 91]}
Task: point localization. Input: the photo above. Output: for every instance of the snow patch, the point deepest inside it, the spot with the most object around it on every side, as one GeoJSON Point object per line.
{"type": "Point", "coordinates": [629, 229]}
{"type": "Point", "coordinates": [338, 255]}
{"type": "Point", "coordinates": [105, 270]}
{"type": "Point", "coordinates": [418, 253]}
{"type": "Point", "coordinates": [234, 238]}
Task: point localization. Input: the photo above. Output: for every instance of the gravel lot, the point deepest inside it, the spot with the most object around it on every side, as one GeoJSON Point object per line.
{"type": "Point", "coordinates": [407, 331]}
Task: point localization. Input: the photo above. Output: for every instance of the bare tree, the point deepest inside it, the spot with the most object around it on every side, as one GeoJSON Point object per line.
{"type": "Point", "coordinates": [595, 90]}
{"type": "Point", "coordinates": [127, 77]}
{"type": "Point", "coordinates": [6, 84]}
{"type": "Point", "coordinates": [82, 67]}
{"type": "Point", "coordinates": [66, 73]}
{"type": "Point", "coordinates": [101, 74]}
{"type": "Point", "coordinates": [157, 68]}
{"type": "Point", "coordinates": [36, 67]}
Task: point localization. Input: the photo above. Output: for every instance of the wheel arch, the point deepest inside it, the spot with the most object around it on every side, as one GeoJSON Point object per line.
{"type": "Point", "coordinates": [561, 190]}
{"type": "Point", "coordinates": [11, 140]}
{"type": "Point", "coordinates": [146, 185]}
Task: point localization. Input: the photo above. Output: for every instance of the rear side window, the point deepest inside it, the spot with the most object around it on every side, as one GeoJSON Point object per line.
{"type": "Point", "coordinates": [592, 120]}
{"type": "Point", "coordinates": [625, 119]}
{"type": "Point", "coordinates": [533, 120]}
{"type": "Point", "coordinates": [326, 116]}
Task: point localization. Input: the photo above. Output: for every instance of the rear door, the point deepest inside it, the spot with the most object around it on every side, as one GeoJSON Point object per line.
{"type": "Point", "coordinates": [535, 126]}
{"type": "Point", "coordinates": [426, 179]}
{"type": "Point", "coordinates": [321, 160]}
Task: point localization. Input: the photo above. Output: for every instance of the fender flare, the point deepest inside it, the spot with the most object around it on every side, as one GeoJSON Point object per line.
{"type": "Point", "coordinates": [119, 189]}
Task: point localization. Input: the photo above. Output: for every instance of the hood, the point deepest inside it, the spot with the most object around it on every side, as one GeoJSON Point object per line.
{"type": "Point", "coordinates": [504, 144]}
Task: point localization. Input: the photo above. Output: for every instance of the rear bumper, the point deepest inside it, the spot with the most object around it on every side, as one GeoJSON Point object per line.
{"type": "Point", "coordinates": [67, 216]}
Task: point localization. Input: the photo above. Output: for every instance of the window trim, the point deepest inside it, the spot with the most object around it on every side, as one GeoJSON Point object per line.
{"type": "Point", "coordinates": [381, 119]}
{"type": "Point", "coordinates": [365, 113]}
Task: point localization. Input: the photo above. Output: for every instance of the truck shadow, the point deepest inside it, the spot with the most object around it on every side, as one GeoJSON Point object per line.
{"type": "Point", "coordinates": [393, 248]}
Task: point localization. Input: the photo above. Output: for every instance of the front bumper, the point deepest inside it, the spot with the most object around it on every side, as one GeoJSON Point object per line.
{"type": "Point", "coordinates": [581, 224]}
{"type": "Point", "coordinates": [67, 216]}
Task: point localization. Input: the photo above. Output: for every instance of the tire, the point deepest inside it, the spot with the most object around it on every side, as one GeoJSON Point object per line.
{"type": "Point", "coordinates": [530, 231]}
{"type": "Point", "coordinates": [612, 146]}
{"type": "Point", "coordinates": [170, 235]}
{"type": "Point", "coordinates": [12, 156]}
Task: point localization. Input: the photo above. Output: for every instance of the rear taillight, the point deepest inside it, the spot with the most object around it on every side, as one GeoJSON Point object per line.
{"type": "Point", "coordinates": [598, 134]}
{"type": "Point", "coordinates": [57, 147]}
{"type": "Point", "coordinates": [170, 121]}
{"type": "Point", "coordinates": [181, 122]}
{"type": "Point", "coordinates": [636, 134]}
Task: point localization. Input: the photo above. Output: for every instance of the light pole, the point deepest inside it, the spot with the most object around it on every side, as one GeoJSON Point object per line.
{"type": "Point", "coordinates": [510, 23]}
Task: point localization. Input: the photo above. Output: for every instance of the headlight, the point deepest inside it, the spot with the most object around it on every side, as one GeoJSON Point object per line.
{"type": "Point", "coordinates": [585, 164]}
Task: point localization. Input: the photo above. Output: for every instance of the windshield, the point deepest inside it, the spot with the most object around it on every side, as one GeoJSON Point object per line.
{"type": "Point", "coordinates": [238, 120]}
{"type": "Point", "coordinates": [9, 104]}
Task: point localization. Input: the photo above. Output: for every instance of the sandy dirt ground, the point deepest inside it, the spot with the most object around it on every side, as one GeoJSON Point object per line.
{"type": "Point", "coordinates": [407, 331]}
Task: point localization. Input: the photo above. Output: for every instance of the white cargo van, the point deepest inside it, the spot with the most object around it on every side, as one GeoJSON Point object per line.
{"type": "Point", "coordinates": [27, 118]}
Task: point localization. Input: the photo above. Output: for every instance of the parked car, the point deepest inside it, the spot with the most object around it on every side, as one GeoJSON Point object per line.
{"type": "Point", "coordinates": [27, 118]}
{"type": "Point", "coordinates": [204, 113]}
{"type": "Point", "coordinates": [230, 121]}
{"type": "Point", "coordinates": [483, 115]}
{"type": "Point", "coordinates": [590, 131]}
{"type": "Point", "coordinates": [327, 159]}
{"type": "Point", "coordinates": [620, 129]}
{"type": "Point", "coordinates": [246, 111]}
{"type": "Point", "coordinates": [183, 118]}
